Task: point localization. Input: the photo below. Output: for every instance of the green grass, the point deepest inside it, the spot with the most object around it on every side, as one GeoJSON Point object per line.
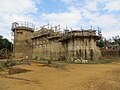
{"type": "Point", "coordinates": [8, 63]}
{"type": "Point", "coordinates": [107, 61]}
{"type": "Point", "coordinates": [42, 59]}
{"type": "Point", "coordinates": [54, 63]}
{"type": "Point", "coordinates": [1, 65]}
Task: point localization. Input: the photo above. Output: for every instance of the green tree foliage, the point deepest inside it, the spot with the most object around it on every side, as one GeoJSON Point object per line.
{"type": "Point", "coordinates": [111, 41]}
{"type": "Point", "coordinates": [116, 39]}
{"type": "Point", "coordinates": [100, 43]}
{"type": "Point", "coordinates": [5, 43]}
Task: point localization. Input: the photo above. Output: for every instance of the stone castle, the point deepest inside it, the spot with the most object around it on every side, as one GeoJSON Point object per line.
{"type": "Point", "coordinates": [53, 43]}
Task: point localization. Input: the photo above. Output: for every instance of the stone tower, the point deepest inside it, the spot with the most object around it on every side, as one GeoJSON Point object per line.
{"type": "Point", "coordinates": [81, 45]}
{"type": "Point", "coordinates": [22, 45]}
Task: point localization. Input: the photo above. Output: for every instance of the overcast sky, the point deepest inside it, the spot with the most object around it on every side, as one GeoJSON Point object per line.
{"type": "Point", "coordinates": [73, 13]}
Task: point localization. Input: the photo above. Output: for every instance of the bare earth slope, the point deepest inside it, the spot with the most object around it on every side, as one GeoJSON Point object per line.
{"type": "Point", "coordinates": [73, 77]}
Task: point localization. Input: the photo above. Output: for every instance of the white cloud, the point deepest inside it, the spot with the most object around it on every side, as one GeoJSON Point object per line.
{"type": "Point", "coordinates": [113, 5]}
{"type": "Point", "coordinates": [68, 1]}
{"type": "Point", "coordinates": [91, 6]}
{"type": "Point", "coordinates": [79, 12]}
{"type": "Point", "coordinates": [15, 10]}
{"type": "Point", "coordinates": [17, 6]}
{"type": "Point", "coordinates": [105, 20]}
{"type": "Point", "coordinates": [71, 18]}
{"type": "Point", "coordinates": [108, 23]}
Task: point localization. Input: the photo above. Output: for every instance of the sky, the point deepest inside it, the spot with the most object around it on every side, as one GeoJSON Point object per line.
{"type": "Point", "coordinates": [72, 13]}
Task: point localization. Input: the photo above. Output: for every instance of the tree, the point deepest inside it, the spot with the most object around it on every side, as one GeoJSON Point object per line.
{"type": "Point", "coordinates": [116, 39]}
{"type": "Point", "coordinates": [5, 43]}
{"type": "Point", "coordinates": [1, 36]}
{"type": "Point", "coordinates": [100, 43]}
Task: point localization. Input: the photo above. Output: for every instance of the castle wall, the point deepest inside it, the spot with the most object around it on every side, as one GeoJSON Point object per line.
{"type": "Point", "coordinates": [41, 48]}
{"type": "Point", "coordinates": [53, 45]}
{"type": "Point", "coordinates": [82, 47]}
{"type": "Point", "coordinates": [55, 49]}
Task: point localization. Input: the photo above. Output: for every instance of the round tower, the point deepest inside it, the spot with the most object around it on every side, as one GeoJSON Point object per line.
{"type": "Point", "coordinates": [22, 45]}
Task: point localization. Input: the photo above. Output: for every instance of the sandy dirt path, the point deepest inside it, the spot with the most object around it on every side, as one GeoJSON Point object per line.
{"type": "Point", "coordinates": [73, 77]}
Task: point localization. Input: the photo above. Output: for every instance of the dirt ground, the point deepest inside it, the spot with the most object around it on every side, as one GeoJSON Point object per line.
{"type": "Point", "coordinates": [72, 77]}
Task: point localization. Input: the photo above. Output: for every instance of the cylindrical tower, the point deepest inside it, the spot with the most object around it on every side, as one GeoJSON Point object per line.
{"type": "Point", "coordinates": [22, 45]}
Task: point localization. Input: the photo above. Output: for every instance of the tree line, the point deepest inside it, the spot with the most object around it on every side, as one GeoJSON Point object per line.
{"type": "Point", "coordinates": [5, 43]}
{"type": "Point", "coordinates": [111, 41]}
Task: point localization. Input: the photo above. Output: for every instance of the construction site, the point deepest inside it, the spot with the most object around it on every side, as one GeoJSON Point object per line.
{"type": "Point", "coordinates": [51, 58]}
{"type": "Point", "coordinates": [52, 43]}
